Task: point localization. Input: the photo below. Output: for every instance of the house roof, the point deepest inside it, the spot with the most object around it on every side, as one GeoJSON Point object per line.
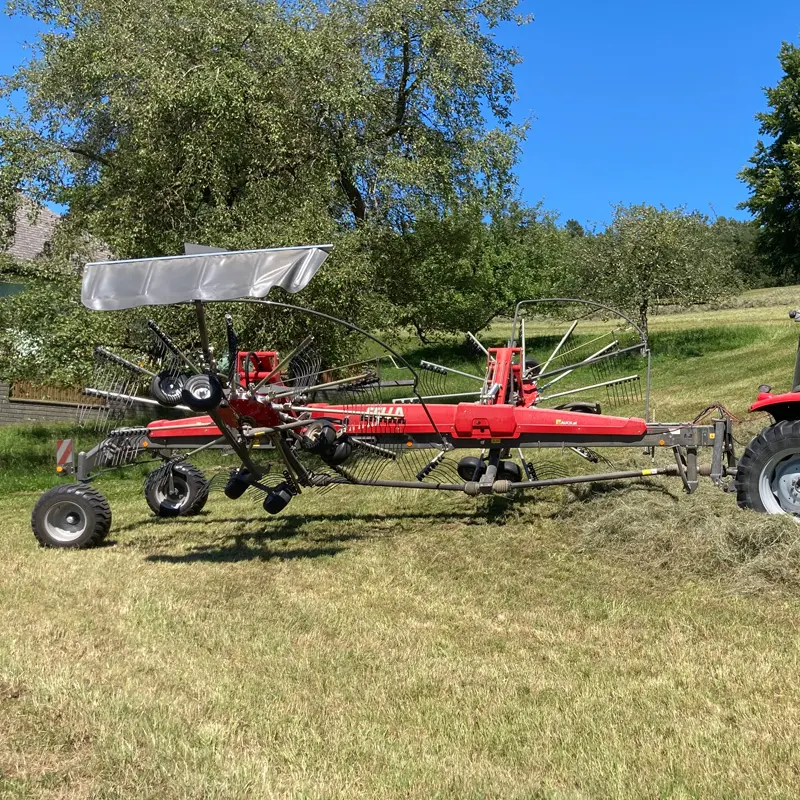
{"type": "Point", "coordinates": [33, 230]}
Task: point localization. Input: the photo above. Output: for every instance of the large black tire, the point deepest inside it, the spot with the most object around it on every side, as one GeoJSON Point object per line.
{"type": "Point", "coordinates": [72, 515]}
{"type": "Point", "coordinates": [188, 496]}
{"type": "Point", "coordinates": [202, 392]}
{"type": "Point", "coordinates": [167, 388]}
{"type": "Point", "coordinates": [768, 473]}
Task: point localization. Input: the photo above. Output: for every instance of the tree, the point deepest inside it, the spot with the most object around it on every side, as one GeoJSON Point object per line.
{"type": "Point", "coordinates": [574, 229]}
{"type": "Point", "coordinates": [741, 239]}
{"type": "Point", "coordinates": [242, 124]}
{"type": "Point", "coordinates": [773, 174]}
{"type": "Point", "coordinates": [651, 256]}
{"type": "Point", "coordinates": [246, 123]}
{"type": "Point", "coordinates": [457, 271]}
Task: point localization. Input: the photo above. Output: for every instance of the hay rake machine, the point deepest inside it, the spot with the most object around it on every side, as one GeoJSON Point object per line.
{"type": "Point", "coordinates": [502, 420]}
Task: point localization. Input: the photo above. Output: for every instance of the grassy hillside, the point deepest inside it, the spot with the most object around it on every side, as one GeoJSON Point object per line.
{"type": "Point", "coordinates": [620, 642]}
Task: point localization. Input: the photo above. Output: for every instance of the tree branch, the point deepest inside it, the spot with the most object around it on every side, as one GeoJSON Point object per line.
{"type": "Point", "coordinates": [354, 198]}
{"type": "Point", "coordinates": [79, 151]}
{"type": "Point", "coordinates": [403, 90]}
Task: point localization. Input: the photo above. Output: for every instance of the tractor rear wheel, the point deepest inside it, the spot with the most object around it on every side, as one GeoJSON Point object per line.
{"type": "Point", "coordinates": [768, 473]}
{"type": "Point", "coordinates": [72, 515]}
{"type": "Point", "coordinates": [182, 495]}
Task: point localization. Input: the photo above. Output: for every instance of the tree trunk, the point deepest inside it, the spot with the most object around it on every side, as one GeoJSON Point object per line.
{"type": "Point", "coordinates": [644, 307]}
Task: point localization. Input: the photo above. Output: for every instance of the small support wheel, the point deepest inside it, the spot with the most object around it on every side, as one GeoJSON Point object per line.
{"type": "Point", "coordinates": [277, 498]}
{"type": "Point", "coordinates": [339, 452]}
{"type": "Point", "coordinates": [167, 387]}
{"type": "Point", "coordinates": [471, 468]}
{"type": "Point", "coordinates": [180, 491]}
{"type": "Point", "coordinates": [768, 473]}
{"type": "Point", "coordinates": [72, 515]}
{"type": "Point", "coordinates": [237, 484]}
{"type": "Point", "coordinates": [509, 471]}
{"type": "Point", "coordinates": [319, 437]}
{"type": "Point", "coordinates": [202, 392]}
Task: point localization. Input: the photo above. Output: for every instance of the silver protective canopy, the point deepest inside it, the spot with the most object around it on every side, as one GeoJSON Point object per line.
{"type": "Point", "coordinates": [114, 285]}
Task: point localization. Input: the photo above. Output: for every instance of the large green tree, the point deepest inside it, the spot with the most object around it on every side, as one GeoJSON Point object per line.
{"type": "Point", "coordinates": [773, 173]}
{"type": "Point", "coordinates": [457, 271]}
{"type": "Point", "coordinates": [651, 256]}
{"type": "Point", "coordinates": [245, 123]}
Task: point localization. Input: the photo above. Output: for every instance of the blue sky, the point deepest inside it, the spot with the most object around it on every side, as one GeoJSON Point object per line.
{"type": "Point", "coordinates": [643, 101]}
{"type": "Point", "coordinates": [629, 101]}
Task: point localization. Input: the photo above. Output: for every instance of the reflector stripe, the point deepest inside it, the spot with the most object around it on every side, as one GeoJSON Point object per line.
{"type": "Point", "coordinates": [63, 452]}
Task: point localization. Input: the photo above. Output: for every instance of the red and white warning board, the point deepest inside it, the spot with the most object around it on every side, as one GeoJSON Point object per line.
{"type": "Point", "coordinates": [65, 455]}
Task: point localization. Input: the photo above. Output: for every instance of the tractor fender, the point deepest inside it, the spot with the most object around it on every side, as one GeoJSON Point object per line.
{"type": "Point", "coordinates": [782, 407]}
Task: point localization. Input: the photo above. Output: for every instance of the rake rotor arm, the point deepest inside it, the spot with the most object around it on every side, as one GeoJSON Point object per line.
{"type": "Point", "coordinates": [342, 382]}
{"type": "Point", "coordinates": [635, 348]}
{"type": "Point", "coordinates": [616, 381]}
{"type": "Point", "coordinates": [283, 362]}
{"type": "Point", "coordinates": [431, 367]}
{"type": "Point", "coordinates": [166, 340]}
{"type": "Point", "coordinates": [128, 398]}
{"type": "Point", "coordinates": [123, 362]}
{"type": "Point", "coordinates": [474, 339]}
{"type": "Point", "coordinates": [560, 345]}
{"type": "Point", "coordinates": [587, 360]}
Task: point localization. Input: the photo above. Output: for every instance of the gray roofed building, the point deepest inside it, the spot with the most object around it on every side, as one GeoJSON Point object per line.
{"type": "Point", "coordinates": [33, 230]}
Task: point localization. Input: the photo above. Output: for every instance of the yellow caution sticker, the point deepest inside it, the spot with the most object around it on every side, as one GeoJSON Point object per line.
{"type": "Point", "coordinates": [649, 472]}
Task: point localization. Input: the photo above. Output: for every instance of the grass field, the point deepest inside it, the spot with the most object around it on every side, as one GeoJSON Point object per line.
{"type": "Point", "coordinates": [624, 642]}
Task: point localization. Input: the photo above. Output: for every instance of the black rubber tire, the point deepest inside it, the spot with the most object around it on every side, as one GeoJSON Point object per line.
{"type": "Point", "coordinates": [202, 392]}
{"type": "Point", "coordinates": [237, 484]}
{"type": "Point", "coordinates": [190, 482]}
{"type": "Point", "coordinates": [470, 468]}
{"type": "Point", "coordinates": [319, 437]}
{"type": "Point", "coordinates": [533, 367]}
{"type": "Point", "coordinates": [338, 453]}
{"type": "Point", "coordinates": [771, 442]}
{"type": "Point", "coordinates": [277, 499]}
{"type": "Point", "coordinates": [509, 471]}
{"type": "Point", "coordinates": [167, 388]}
{"type": "Point", "coordinates": [52, 511]}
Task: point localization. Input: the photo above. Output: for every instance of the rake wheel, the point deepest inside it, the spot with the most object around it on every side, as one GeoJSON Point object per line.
{"type": "Point", "coordinates": [182, 493]}
{"type": "Point", "coordinates": [72, 515]}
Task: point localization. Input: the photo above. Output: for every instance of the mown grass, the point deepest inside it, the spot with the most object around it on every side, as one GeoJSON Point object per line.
{"type": "Point", "coordinates": [614, 641]}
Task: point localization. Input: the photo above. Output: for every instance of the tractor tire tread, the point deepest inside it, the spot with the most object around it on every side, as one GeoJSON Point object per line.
{"type": "Point", "coordinates": [100, 507]}
{"type": "Point", "coordinates": [197, 483]}
{"type": "Point", "coordinates": [758, 451]}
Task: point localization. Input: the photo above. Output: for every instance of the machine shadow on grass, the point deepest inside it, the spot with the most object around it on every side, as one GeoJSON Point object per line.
{"type": "Point", "coordinates": [247, 547]}
{"type": "Point", "coordinates": [251, 537]}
